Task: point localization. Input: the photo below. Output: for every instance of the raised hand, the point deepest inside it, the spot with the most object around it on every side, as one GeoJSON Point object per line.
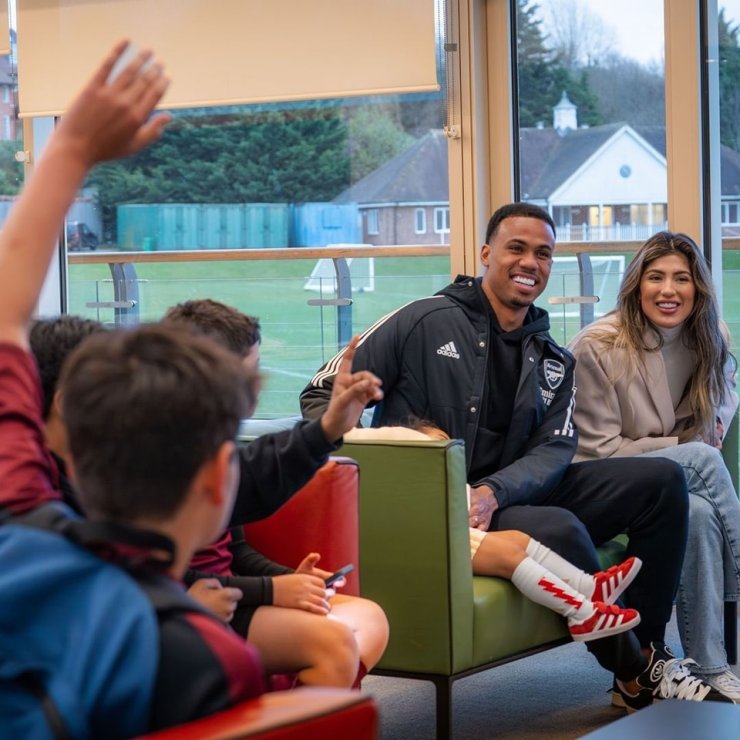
{"type": "Point", "coordinates": [350, 394]}
{"type": "Point", "coordinates": [106, 120]}
{"type": "Point", "coordinates": [111, 118]}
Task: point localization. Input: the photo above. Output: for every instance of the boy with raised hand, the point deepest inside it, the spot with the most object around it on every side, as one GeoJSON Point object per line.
{"type": "Point", "coordinates": [149, 411]}
{"type": "Point", "coordinates": [280, 610]}
{"type": "Point", "coordinates": [275, 466]}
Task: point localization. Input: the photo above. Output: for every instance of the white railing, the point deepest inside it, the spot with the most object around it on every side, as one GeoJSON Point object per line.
{"type": "Point", "coordinates": [615, 232]}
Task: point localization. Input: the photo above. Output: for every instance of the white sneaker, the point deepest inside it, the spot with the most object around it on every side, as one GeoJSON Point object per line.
{"type": "Point", "coordinates": [726, 683]}
{"type": "Point", "coordinates": [665, 677]}
{"type": "Point", "coordinates": [679, 683]}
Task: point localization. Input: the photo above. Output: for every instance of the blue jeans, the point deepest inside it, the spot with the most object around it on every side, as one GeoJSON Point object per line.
{"type": "Point", "coordinates": [711, 566]}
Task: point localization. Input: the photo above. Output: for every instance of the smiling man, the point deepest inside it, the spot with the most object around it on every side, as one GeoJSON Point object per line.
{"type": "Point", "coordinates": [477, 360]}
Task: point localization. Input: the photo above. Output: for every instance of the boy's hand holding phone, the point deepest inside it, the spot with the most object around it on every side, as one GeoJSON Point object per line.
{"type": "Point", "coordinates": [300, 591]}
{"type": "Point", "coordinates": [309, 588]}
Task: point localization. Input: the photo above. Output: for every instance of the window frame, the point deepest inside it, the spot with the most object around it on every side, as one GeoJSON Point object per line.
{"type": "Point", "coordinates": [442, 213]}
{"type": "Point", "coordinates": [420, 221]}
{"type": "Point", "coordinates": [372, 221]}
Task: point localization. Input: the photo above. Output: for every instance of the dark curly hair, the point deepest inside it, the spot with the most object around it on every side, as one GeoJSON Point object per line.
{"type": "Point", "coordinates": [52, 341]}
{"type": "Point", "coordinates": [225, 324]}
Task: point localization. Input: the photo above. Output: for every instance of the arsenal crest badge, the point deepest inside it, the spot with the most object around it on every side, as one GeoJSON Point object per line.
{"type": "Point", "coordinates": [554, 373]}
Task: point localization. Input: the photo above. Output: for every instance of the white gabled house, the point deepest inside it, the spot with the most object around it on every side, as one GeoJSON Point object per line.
{"type": "Point", "coordinates": [600, 183]}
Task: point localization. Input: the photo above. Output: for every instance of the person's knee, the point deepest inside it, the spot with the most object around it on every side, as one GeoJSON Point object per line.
{"type": "Point", "coordinates": [547, 524]}
{"type": "Point", "coordinates": [666, 481]}
{"type": "Point", "coordinates": [702, 520]}
{"type": "Point", "coordinates": [700, 454]}
{"type": "Point", "coordinates": [571, 540]}
{"type": "Point", "coordinates": [569, 526]}
{"type": "Point", "coordinates": [498, 555]}
{"type": "Point", "coordinates": [378, 633]}
{"type": "Point", "coordinates": [336, 654]}
{"type": "Point", "coordinates": [378, 620]}
{"type": "Point", "coordinates": [520, 539]}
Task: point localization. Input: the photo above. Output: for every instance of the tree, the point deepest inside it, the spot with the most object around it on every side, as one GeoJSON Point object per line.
{"type": "Point", "coordinates": [629, 91]}
{"type": "Point", "coordinates": [285, 156]}
{"type": "Point", "coordinates": [536, 95]}
{"type": "Point", "coordinates": [578, 36]}
{"type": "Point", "coordinates": [374, 138]}
{"type": "Point", "coordinates": [543, 78]}
{"type": "Point", "coordinates": [11, 171]}
{"type": "Point", "coordinates": [729, 82]}
{"type": "Point", "coordinates": [605, 86]}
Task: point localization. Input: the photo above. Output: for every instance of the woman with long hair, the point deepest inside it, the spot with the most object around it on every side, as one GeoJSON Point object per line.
{"type": "Point", "coordinates": [656, 377]}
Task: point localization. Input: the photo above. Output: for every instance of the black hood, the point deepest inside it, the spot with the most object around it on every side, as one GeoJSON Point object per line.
{"type": "Point", "coordinates": [467, 292]}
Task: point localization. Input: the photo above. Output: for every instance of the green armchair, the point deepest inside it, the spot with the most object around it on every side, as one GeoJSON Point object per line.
{"type": "Point", "coordinates": [415, 561]}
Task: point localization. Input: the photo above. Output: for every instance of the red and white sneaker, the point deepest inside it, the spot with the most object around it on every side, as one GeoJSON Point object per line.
{"type": "Point", "coordinates": [610, 584]}
{"type": "Point", "coordinates": [606, 620]}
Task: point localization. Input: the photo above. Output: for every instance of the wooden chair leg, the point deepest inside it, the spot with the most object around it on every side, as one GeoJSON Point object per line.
{"type": "Point", "coordinates": [731, 631]}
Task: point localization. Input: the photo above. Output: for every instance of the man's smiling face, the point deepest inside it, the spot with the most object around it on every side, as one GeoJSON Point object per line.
{"type": "Point", "coordinates": [518, 261]}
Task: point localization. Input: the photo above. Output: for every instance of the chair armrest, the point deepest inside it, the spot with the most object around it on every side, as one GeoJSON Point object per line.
{"type": "Point", "coordinates": [322, 517]}
{"type": "Point", "coordinates": [308, 713]}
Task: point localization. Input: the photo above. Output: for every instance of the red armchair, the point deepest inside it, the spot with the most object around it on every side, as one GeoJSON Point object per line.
{"type": "Point", "coordinates": [322, 517]}
{"type": "Point", "coordinates": [305, 713]}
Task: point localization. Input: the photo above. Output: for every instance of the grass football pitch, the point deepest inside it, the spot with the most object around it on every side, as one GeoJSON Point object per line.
{"type": "Point", "coordinates": [297, 338]}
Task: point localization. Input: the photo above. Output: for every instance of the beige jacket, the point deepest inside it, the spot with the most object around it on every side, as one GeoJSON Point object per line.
{"type": "Point", "coordinates": [618, 416]}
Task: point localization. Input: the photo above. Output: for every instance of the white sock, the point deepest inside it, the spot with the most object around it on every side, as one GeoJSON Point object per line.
{"type": "Point", "coordinates": [581, 581]}
{"type": "Point", "coordinates": [544, 587]}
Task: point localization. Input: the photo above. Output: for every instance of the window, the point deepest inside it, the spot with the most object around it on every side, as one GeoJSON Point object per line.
{"type": "Point", "coordinates": [288, 173]}
{"type": "Point", "coordinates": [730, 213]}
{"type": "Point", "coordinates": [373, 227]}
{"type": "Point", "coordinates": [729, 116]}
{"type": "Point", "coordinates": [660, 215]}
{"type": "Point", "coordinates": [421, 221]}
{"type": "Point", "coordinates": [591, 115]}
{"type": "Point", "coordinates": [607, 79]}
{"type": "Point", "coordinates": [442, 220]}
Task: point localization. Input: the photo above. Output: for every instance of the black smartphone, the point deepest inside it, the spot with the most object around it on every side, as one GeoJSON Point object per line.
{"type": "Point", "coordinates": [339, 573]}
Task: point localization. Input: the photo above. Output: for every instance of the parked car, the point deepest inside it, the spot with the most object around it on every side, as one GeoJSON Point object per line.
{"type": "Point", "coordinates": [79, 237]}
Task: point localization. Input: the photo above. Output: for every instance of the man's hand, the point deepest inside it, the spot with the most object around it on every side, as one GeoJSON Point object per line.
{"type": "Point", "coordinates": [108, 120]}
{"type": "Point", "coordinates": [349, 396]}
{"type": "Point", "coordinates": [220, 599]}
{"type": "Point", "coordinates": [483, 506]}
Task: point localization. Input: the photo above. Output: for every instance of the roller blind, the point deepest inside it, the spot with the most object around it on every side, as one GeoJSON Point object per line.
{"type": "Point", "coordinates": [224, 52]}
